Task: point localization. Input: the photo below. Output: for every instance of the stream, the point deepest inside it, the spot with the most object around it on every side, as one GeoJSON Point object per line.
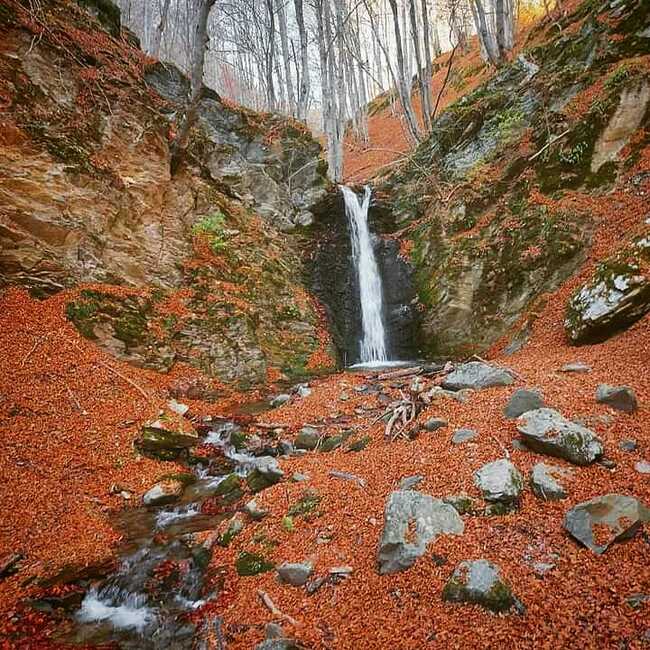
{"type": "Point", "coordinates": [136, 606]}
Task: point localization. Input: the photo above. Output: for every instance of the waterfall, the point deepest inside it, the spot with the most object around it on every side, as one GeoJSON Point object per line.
{"type": "Point", "coordinates": [373, 338]}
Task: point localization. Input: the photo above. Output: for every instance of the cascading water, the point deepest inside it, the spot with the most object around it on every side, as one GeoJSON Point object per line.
{"type": "Point", "coordinates": [373, 339]}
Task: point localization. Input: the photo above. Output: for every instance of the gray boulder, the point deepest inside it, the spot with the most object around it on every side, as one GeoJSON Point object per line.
{"type": "Point", "coordinates": [163, 493]}
{"type": "Point", "coordinates": [547, 432]}
{"type": "Point", "coordinates": [499, 481]}
{"type": "Point", "coordinates": [545, 482]}
{"type": "Point", "coordinates": [477, 375]}
{"type": "Point", "coordinates": [616, 517]}
{"type": "Point", "coordinates": [621, 398]}
{"type": "Point", "coordinates": [433, 424]}
{"type": "Point", "coordinates": [295, 573]}
{"type": "Point", "coordinates": [399, 546]}
{"type": "Point", "coordinates": [617, 295]}
{"type": "Point", "coordinates": [480, 582]}
{"type": "Point", "coordinates": [463, 435]}
{"type": "Point", "coordinates": [307, 438]}
{"type": "Point", "coordinates": [522, 401]}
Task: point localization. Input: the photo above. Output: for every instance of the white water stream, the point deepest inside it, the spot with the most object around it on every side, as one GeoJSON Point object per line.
{"type": "Point", "coordinates": [372, 349]}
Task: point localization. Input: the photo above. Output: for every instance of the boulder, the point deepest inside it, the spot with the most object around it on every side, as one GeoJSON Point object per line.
{"type": "Point", "coordinates": [600, 522]}
{"type": "Point", "coordinates": [254, 511]}
{"type": "Point", "coordinates": [433, 424]}
{"type": "Point", "coordinates": [307, 438]}
{"type": "Point", "coordinates": [477, 375]}
{"type": "Point", "coordinates": [463, 435]}
{"type": "Point", "coordinates": [479, 582]}
{"type": "Point", "coordinates": [617, 295]}
{"type": "Point", "coordinates": [295, 573]}
{"type": "Point", "coordinates": [265, 472]}
{"type": "Point", "coordinates": [163, 493]}
{"type": "Point", "coordinates": [157, 439]}
{"type": "Point", "coordinates": [545, 482]}
{"type": "Point", "coordinates": [522, 401]}
{"type": "Point", "coordinates": [547, 432]}
{"type": "Point", "coordinates": [411, 522]}
{"type": "Point", "coordinates": [499, 481]}
{"type": "Point", "coordinates": [621, 398]}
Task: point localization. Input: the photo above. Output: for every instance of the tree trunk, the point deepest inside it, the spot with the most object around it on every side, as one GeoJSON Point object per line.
{"type": "Point", "coordinates": [158, 32]}
{"type": "Point", "coordinates": [200, 45]}
{"type": "Point", "coordinates": [282, 20]}
{"type": "Point", "coordinates": [270, 57]}
{"type": "Point", "coordinates": [423, 80]}
{"type": "Point", "coordinates": [304, 87]}
{"type": "Point", "coordinates": [485, 38]}
{"type": "Point", "coordinates": [404, 88]}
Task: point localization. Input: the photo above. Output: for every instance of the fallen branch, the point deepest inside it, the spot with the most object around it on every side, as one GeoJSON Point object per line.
{"type": "Point", "coordinates": [270, 605]}
{"type": "Point", "coordinates": [548, 144]}
{"type": "Point", "coordinates": [126, 379]}
{"type": "Point", "coordinates": [33, 348]}
{"type": "Point", "coordinates": [347, 477]}
{"type": "Point", "coordinates": [402, 372]}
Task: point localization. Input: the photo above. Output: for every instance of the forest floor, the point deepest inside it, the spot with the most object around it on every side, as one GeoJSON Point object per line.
{"type": "Point", "coordinates": [68, 423]}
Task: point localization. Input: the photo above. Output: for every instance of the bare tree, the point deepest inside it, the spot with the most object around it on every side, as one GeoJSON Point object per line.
{"type": "Point", "coordinates": [196, 80]}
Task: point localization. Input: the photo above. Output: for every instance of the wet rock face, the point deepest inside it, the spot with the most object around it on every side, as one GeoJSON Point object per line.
{"type": "Point", "coordinates": [600, 522]}
{"type": "Point", "coordinates": [615, 297]}
{"type": "Point", "coordinates": [282, 178]}
{"type": "Point", "coordinates": [334, 281]}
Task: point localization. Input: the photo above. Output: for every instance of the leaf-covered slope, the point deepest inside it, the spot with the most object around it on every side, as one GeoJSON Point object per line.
{"type": "Point", "coordinates": [529, 176]}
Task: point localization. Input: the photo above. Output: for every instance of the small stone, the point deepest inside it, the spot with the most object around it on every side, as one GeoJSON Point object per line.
{"type": "Point", "coordinates": [341, 570]}
{"type": "Point", "coordinates": [643, 467]}
{"type": "Point", "coordinates": [621, 398]}
{"type": "Point", "coordinates": [297, 477]}
{"type": "Point", "coordinates": [279, 400]}
{"type": "Point", "coordinates": [344, 397]}
{"type": "Point", "coordinates": [629, 444]}
{"type": "Point", "coordinates": [480, 582]}
{"type": "Point", "coordinates": [545, 483]}
{"type": "Point", "coordinates": [542, 568]}
{"type": "Point", "coordinates": [254, 512]}
{"type": "Point", "coordinates": [302, 390]}
{"type": "Point", "coordinates": [295, 574]}
{"type": "Point", "coordinates": [522, 401]}
{"type": "Point", "coordinates": [575, 366]}
{"type": "Point", "coordinates": [463, 435]}
{"type": "Point", "coordinates": [432, 424]}
{"type": "Point", "coordinates": [409, 482]}
{"type": "Point", "coordinates": [163, 493]}
{"type": "Point", "coordinates": [178, 407]}
{"type": "Point", "coordinates": [635, 601]}
{"type": "Point", "coordinates": [285, 447]}
{"type": "Point", "coordinates": [499, 481]}
{"type": "Point", "coordinates": [607, 463]}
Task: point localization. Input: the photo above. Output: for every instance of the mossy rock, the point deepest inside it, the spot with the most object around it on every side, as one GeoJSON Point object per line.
{"type": "Point", "coordinates": [251, 564]}
{"type": "Point", "coordinates": [238, 439]}
{"type": "Point", "coordinates": [359, 445]}
{"type": "Point", "coordinates": [230, 484]}
{"type": "Point", "coordinates": [257, 481]}
{"type": "Point", "coordinates": [307, 504]}
{"type": "Point", "coordinates": [186, 478]}
{"type": "Point", "coordinates": [164, 444]}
